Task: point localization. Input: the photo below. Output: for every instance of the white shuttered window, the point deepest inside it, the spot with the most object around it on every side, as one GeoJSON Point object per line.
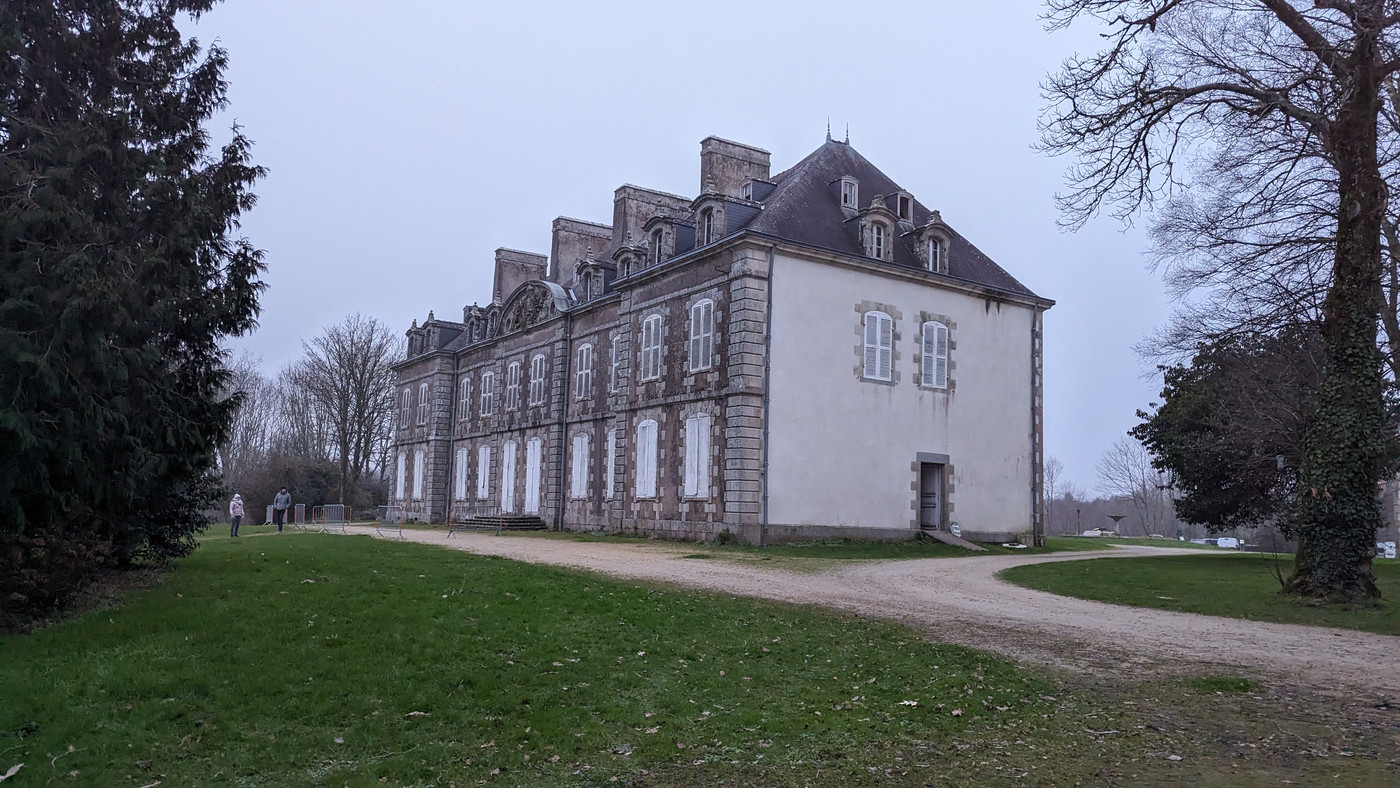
{"type": "Point", "coordinates": [702, 334]}
{"type": "Point", "coordinates": [651, 347]}
{"type": "Point", "coordinates": [460, 493]}
{"type": "Point", "coordinates": [533, 457]}
{"type": "Point", "coordinates": [399, 479]}
{"type": "Point", "coordinates": [488, 393]}
{"type": "Point", "coordinates": [583, 377]}
{"type": "Point", "coordinates": [646, 459]}
{"type": "Point", "coordinates": [697, 456]}
{"type": "Point", "coordinates": [483, 473]}
{"type": "Point", "coordinates": [935, 355]}
{"type": "Point", "coordinates": [578, 467]}
{"type": "Point", "coordinates": [879, 345]}
{"type": "Point", "coordinates": [418, 464]}
{"type": "Point", "coordinates": [513, 385]}
{"type": "Point", "coordinates": [610, 472]}
{"type": "Point", "coordinates": [464, 396]}
{"type": "Point", "coordinates": [423, 403]}
{"type": "Point", "coordinates": [537, 380]}
{"type": "Point", "coordinates": [508, 477]}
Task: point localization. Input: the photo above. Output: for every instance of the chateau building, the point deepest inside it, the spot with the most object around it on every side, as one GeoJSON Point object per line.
{"type": "Point", "coordinates": [809, 354]}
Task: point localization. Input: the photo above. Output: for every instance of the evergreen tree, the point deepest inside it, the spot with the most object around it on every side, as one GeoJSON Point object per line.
{"type": "Point", "coordinates": [121, 274]}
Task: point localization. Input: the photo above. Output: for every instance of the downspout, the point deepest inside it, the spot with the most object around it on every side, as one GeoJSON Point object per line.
{"type": "Point", "coordinates": [451, 446]}
{"type": "Point", "coordinates": [1037, 461]}
{"type": "Point", "coordinates": [564, 417]}
{"type": "Point", "coordinates": [767, 386]}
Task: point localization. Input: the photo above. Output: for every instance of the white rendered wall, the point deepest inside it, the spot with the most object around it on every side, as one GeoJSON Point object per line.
{"type": "Point", "coordinates": [843, 451]}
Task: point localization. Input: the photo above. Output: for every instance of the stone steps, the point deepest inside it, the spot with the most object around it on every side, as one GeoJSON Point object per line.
{"type": "Point", "coordinates": [503, 522]}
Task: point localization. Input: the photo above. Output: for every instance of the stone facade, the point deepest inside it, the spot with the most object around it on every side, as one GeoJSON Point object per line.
{"type": "Point", "coordinates": [624, 382]}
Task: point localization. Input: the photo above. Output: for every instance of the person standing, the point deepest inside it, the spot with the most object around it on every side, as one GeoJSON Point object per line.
{"type": "Point", "coordinates": [235, 511]}
{"type": "Point", "coordinates": [280, 504]}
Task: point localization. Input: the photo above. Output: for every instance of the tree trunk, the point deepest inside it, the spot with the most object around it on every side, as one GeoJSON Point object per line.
{"type": "Point", "coordinates": [1345, 443]}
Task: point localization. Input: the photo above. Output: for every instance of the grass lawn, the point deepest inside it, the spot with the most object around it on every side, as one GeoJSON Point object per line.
{"type": "Point", "coordinates": [308, 659]}
{"type": "Point", "coordinates": [1231, 584]}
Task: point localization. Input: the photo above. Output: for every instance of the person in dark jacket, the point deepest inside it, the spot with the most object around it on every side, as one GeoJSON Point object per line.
{"type": "Point", "coordinates": [280, 504]}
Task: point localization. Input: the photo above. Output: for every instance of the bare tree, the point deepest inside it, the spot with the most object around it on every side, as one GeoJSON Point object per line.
{"type": "Point", "coordinates": [347, 371]}
{"type": "Point", "coordinates": [1126, 471]}
{"type": "Point", "coordinates": [1290, 99]}
{"type": "Point", "coordinates": [1053, 470]}
{"type": "Point", "coordinates": [251, 433]}
{"type": "Point", "coordinates": [303, 426]}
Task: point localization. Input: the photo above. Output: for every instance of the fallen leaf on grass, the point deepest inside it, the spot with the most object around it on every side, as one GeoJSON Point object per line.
{"type": "Point", "coordinates": [11, 773]}
{"type": "Point", "coordinates": [339, 740]}
{"type": "Point", "coordinates": [554, 759]}
{"type": "Point", "coordinates": [308, 581]}
{"type": "Point", "coordinates": [957, 712]}
{"type": "Point", "coordinates": [911, 703]}
{"type": "Point", "coordinates": [654, 730]}
{"type": "Point", "coordinates": [415, 714]}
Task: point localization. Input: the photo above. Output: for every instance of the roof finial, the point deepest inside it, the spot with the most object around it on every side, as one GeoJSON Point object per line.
{"type": "Point", "coordinates": [828, 128]}
{"type": "Point", "coordinates": [430, 316]}
{"type": "Point", "coordinates": [588, 255]}
{"type": "Point", "coordinates": [848, 133]}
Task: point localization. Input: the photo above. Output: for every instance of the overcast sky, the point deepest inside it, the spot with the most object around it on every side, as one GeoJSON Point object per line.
{"type": "Point", "coordinates": [406, 141]}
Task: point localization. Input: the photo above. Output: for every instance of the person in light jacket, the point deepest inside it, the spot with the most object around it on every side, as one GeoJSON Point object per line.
{"type": "Point", "coordinates": [235, 511]}
{"type": "Point", "coordinates": [280, 504]}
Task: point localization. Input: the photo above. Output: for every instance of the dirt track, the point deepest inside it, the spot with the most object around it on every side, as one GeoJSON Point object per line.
{"type": "Point", "coordinates": [959, 600]}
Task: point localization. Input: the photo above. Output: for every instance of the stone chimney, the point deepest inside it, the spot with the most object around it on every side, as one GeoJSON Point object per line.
{"type": "Point", "coordinates": [725, 165]}
{"type": "Point", "coordinates": [515, 268]}
{"type": "Point", "coordinates": [572, 240]}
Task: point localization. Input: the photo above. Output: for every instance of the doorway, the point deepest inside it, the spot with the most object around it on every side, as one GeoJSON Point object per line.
{"type": "Point", "coordinates": [931, 495]}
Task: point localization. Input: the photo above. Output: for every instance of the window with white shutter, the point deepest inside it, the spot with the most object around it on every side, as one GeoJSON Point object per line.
{"type": "Point", "coordinates": [464, 396]}
{"type": "Point", "coordinates": [934, 370]}
{"type": "Point", "coordinates": [418, 463]}
{"type": "Point", "coordinates": [460, 493]}
{"type": "Point", "coordinates": [646, 459]}
{"type": "Point", "coordinates": [400, 478]}
{"type": "Point", "coordinates": [488, 393]}
{"type": "Point", "coordinates": [651, 347]}
{"type": "Point", "coordinates": [583, 377]}
{"type": "Point", "coordinates": [406, 407]}
{"type": "Point", "coordinates": [610, 472]}
{"type": "Point", "coordinates": [578, 466]}
{"type": "Point", "coordinates": [508, 477]}
{"type": "Point", "coordinates": [533, 458]}
{"type": "Point", "coordinates": [513, 386]}
{"type": "Point", "coordinates": [537, 380]}
{"type": "Point", "coordinates": [702, 334]}
{"type": "Point", "coordinates": [423, 403]}
{"type": "Point", "coordinates": [483, 473]}
{"type": "Point", "coordinates": [615, 370]}
{"type": "Point", "coordinates": [697, 456]}
{"type": "Point", "coordinates": [879, 346]}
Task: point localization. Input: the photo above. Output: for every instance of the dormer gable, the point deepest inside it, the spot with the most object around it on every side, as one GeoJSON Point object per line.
{"type": "Point", "coordinates": [931, 244]}
{"type": "Point", "coordinates": [876, 226]}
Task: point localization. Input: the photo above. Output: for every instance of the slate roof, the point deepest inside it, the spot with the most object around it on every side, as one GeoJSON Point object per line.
{"type": "Point", "coordinates": [805, 207]}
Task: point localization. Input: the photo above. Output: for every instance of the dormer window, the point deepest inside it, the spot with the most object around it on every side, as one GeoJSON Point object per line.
{"type": "Point", "coordinates": [877, 241]}
{"type": "Point", "coordinates": [746, 190]}
{"type": "Point", "coordinates": [656, 246]}
{"type": "Point", "coordinates": [850, 193]}
{"type": "Point", "coordinates": [905, 207]}
{"type": "Point", "coordinates": [935, 255]}
{"type": "Point", "coordinates": [707, 226]}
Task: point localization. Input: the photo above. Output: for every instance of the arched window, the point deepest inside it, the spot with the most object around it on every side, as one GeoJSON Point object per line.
{"type": "Point", "coordinates": [651, 348]}
{"type": "Point", "coordinates": [879, 346]}
{"type": "Point", "coordinates": [656, 246]}
{"type": "Point", "coordinates": [508, 477]}
{"type": "Point", "coordinates": [707, 226]}
{"type": "Point", "coordinates": [583, 377]}
{"type": "Point", "coordinates": [537, 381]}
{"type": "Point", "coordinates": [877, 241]}
{"type": "Point", "coordinates": [405, 408]}
{"type": "Point", "coordinates": [646, 459]}
{"type": "Point", "coordinates": [483, 473]}
{"type": "Point", "coordinates": [935, 255]}
{"type": "Point", "coordinates": [423, 403]}
{"type": "Point", "coordinates": [934, 371]}
{"type": "Point", "coordinates": [702, 334]}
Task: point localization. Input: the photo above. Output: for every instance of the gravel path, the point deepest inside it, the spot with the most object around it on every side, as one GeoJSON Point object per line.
{"type": "Point", "coordinates": [960, 600]}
